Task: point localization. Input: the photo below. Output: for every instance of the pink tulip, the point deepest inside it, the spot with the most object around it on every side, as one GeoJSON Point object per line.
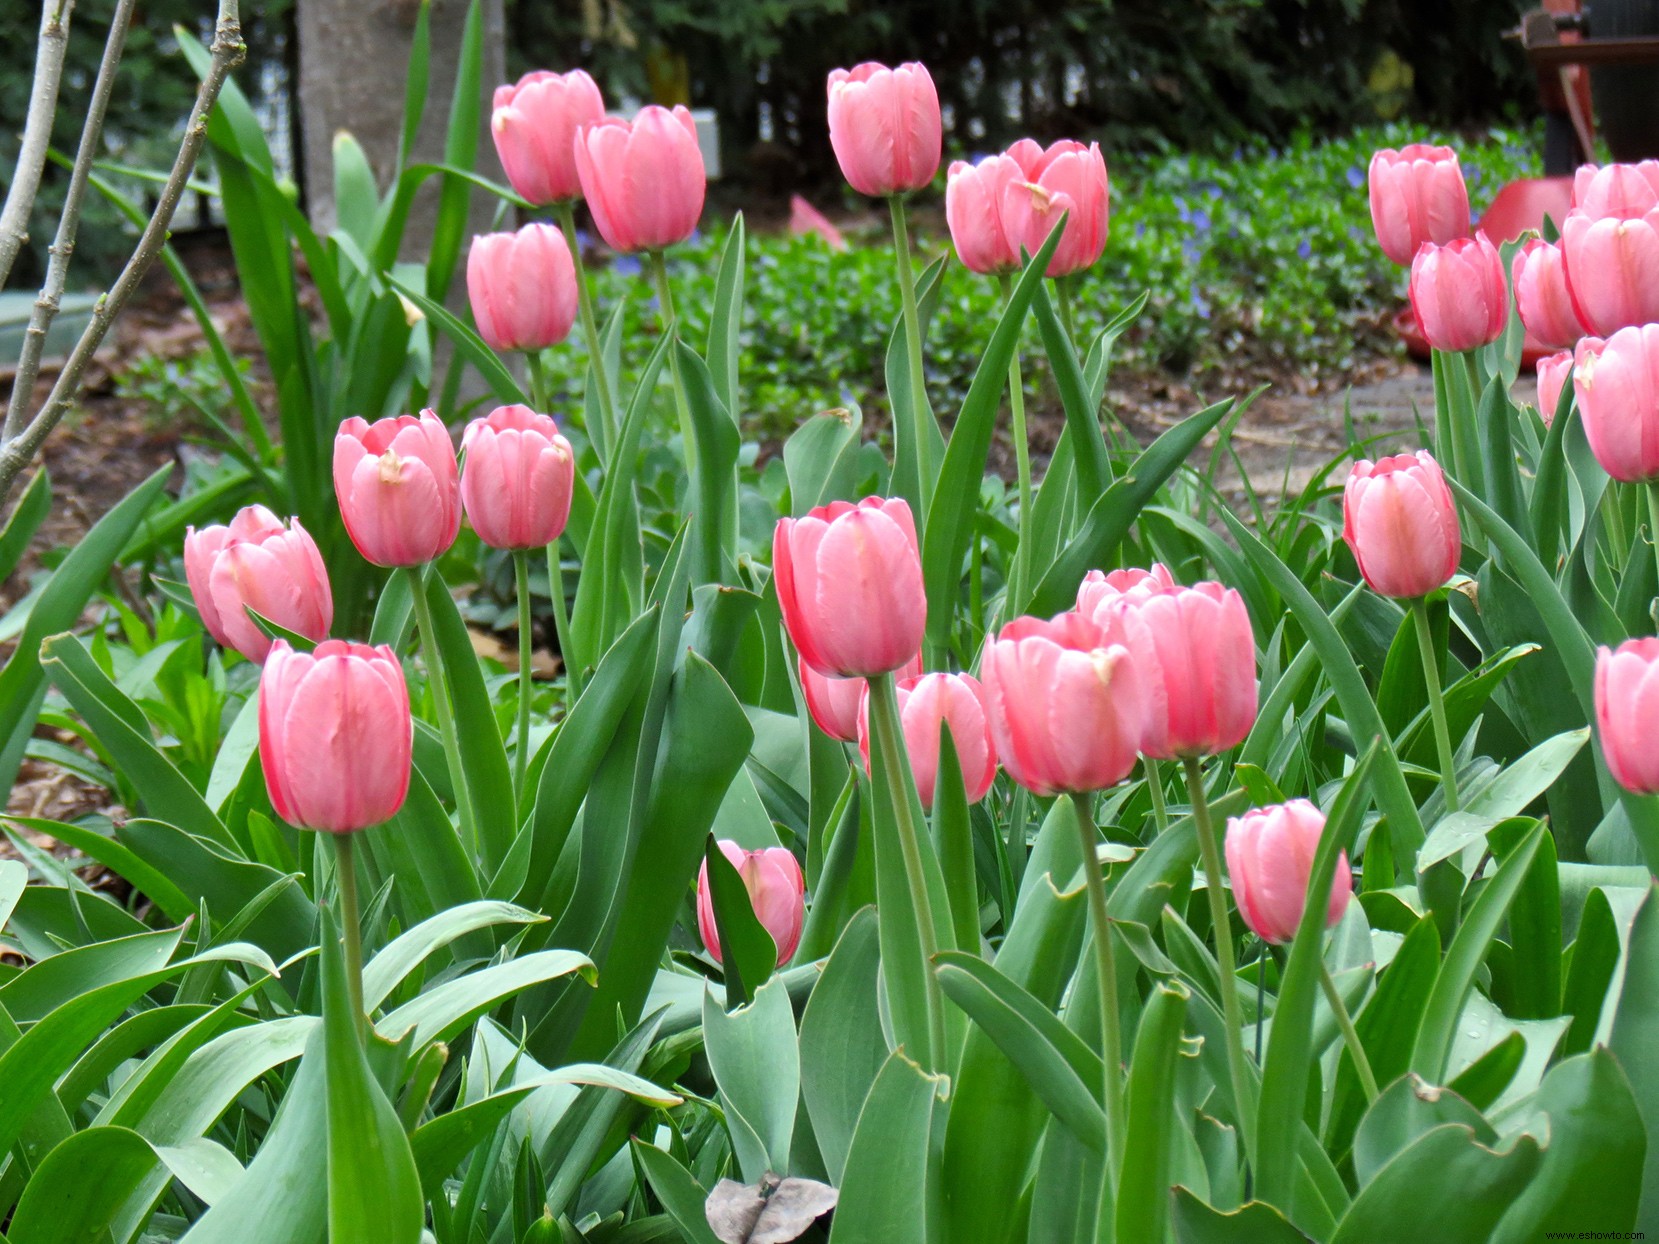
{"type": "Point", "coordinates": [1541, 292]}
{"type": "Point", "coordinates": [1612, 269]}
{"type": "Point", "coordinates": [1417, 196]}
{"type": "Point", "coordinates": [1552, 374]}
{"type": "Point", "coordinates": [1067, 180]}
{"type": "Point", "coordinates": [1458, 293]}
{"type": "Point", "coordinates": [257, 563]}
{"type": "Point", "coordinates": [1627, 713]}
{"type": "Point", "coordinates": [1399, 521]}
{"type": "Point", "coordinates": [1270, 860]}
{"type": "Point", "coordinates": [334, 735]}
{"type": "Point", "coordinates": [884, 126]}
{"type": "Point", "coordinates": [1066, 709]}
{"type": "Point", "coordinates": [519, 478]}
{"type": "Point", "coordinates": [849, 582]}
{"type": "Point", "coordinates": [834, 702]}
{"type": "Point", "coordinates": [1616, 385]}
{"type": "Point", "coordinates": [925, 702]}
{"type": "Point", "coordinates": [522, 287]}
{"type": "Point", "coordinates": [776, 889]}
{"type": "Point", "coordinates": [398, 487]}
{"type": "Point", "coordinates": [1098, 586]}
{"type": "Point", "coordinates": [1197, 657]}
{"type": "Point", "coordinates": [534, 125]}
{"type": "Point", "coordinates": [1622, 191]}
{"type": "Point", "coordinates": [643, 180]}
{"type": "Point", "coordinates": [976, 198]}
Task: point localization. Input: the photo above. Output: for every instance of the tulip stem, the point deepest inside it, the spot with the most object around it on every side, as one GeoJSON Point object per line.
{"type": "Point", "coordinates": [920, 412]}
{"type": "Point", "coordinates": [1350, 1035]}
{"type": "Point", "coordinates": [561, 624]}
{"type": "Point", "coordinates": [1155, 786]}
{"type": "Point", "coordinates": [438, 681]}
{"type": "Point", "coordinates": [1111, 1027]}
{"type": "Point", "coordinates": [1652, 490]}
{"type": "Point", "coordinates": [526, 645]}
{"type": "Point", "coordinates": [1437, 702]}
{"type": "Point", "coordinates": [607, 429]}
{"type": "Point", "coordinates": [1062, 287]}
{"type": "Point", "coordinates": [1210, 851]}
{"type": "Point", "coordinates": [1018, 586]}
{"type": "Point", "coordinates": [346, 878]}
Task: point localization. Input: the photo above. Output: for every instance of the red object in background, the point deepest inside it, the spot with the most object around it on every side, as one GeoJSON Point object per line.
{"type": "Point", "coordinates": [1521, 205]}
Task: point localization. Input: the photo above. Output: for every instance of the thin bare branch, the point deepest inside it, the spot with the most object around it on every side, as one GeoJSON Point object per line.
{"type": "Point", "coordinates": [63, 245]}
{"type": "Point", "coordinates": [228, 50]}
{"type": "Point", "coordinates": [37, 130]}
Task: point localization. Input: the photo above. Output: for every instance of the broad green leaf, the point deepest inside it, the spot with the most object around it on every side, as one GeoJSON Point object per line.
{"type": "Point", "coordinates": [1635, 1040]}
{"type": "Point", "coordinates": [678, 1190]}
{"type": "Point", "coordinates": [150, 881]}
{"type": "Point", "coordinates": [408, 951]}
{"type": "Point", "coordinates": [30, 511]}
{"type": "Point", "coordinates": [820, 458]}
{"type": "Point", "coordinates": [755, 1058]}
{"type": "Point", "coordinates": [442, 1011]}
{"type": "Point", "coordinates": [1253, 1223]}
{"type": "Point", "coordinates": [885, 1193]}
{"type": "Point", "coordinates": [1148, 1150]}
{"type": "Point", "coordinates": [841, 1047]}
{"type": "Point", "coordinates": [77, 1190]}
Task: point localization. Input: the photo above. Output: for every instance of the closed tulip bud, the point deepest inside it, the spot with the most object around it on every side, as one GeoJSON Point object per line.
{"type": "Point", "coordinates": [1199, 667]}
{"type": "Point", "coordinates": [1627, 713]}
{"type": "Point", "coordinates": [1552, 374]}
{"type": "Point", "coordinates": [1066, 708]}
{"type": "Point", "coordinates": [522, 287]}
{"type": "Point", "coordinates": [1622, 191]}
{"type": "Point", "coordinates": [1270, 854]}
{"type": "Point", "coordinates": [849, 581]}
{"type": "Point", "coordinates": [1099, 586]}
{"type": "Point", "coordinates": [644, 180]}
{"type": "Point", "coordinates": [1068, 179]}
{"type": "Point", "coordinates": [1400, 523]}
{"type": "Point", "coordinates": [776, 889]}
{"type": "Point", "coordinates": [836, 702]}
{"type": "Point", "coordinates": [1458, 293]}
{"type": "Point", "coordinates": [1417, 196]}
{"type": "Point", "coordinates": [975, 198]}
{"type": "Point", "coordinates": [519, 478]}
{"type": "Point", "coordinates": [1612, 269]}
{"type": "Point", "coordinates": [957, 700]}
{"type": "Point", "coordinates": [398, 487]}
{"type": "Point", "coordinates": [259, 563]}
{"type": "Point", "coordinates": [884, 126]}
{"type": "Point", "coordinates": [1541, 293]}
{"type": "Point", "coordinates": [334, 735]}
{"type": "Point", "coordinates": [534, 125]}
{"type": "Point", "coordinates": [1616, 385]}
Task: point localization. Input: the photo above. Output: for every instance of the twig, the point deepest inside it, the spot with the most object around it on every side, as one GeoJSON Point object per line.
{"type": "Point", "coordinates": [37, 131]}
{"type": "Point", "coordinates": [228, 50]}
{"type": "Point", "coordinates": [63, 246]}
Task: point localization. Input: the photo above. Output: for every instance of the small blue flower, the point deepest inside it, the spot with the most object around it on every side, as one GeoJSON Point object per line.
{"type": "Point", "coordinates": [1356, 177]}
{"type": "Point", "coordinates": [1201, 221]}
{"type": "Point", "coordinates": [627, 265]}
{"type": "Point", "coordinates": [1201, 305]}
{"type": "Point", "coordinates": [1305, 249]}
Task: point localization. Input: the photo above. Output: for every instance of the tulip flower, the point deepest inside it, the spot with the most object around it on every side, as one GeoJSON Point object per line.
{"type": "Point", "coordinates": [643, 179]}
{"type": "Point", "coordinates": [849, 583]}
{"type": "Point", "coordinates": [975, 199]}
{"type": "Point", "coordinates": [1100, 586]}
{"type": "Point", "coordinates": [1270, 859]}
{"type": "Point", "coordinates": [885, 128]}
{"type": "Point", "coordinates": [1616, 385]}
{"type": "Point", "coordinates": [1068, 179]}
{"type": "Point", "coordinates": [1621, 191]}
{"type": "Point", "coordinates": [518, 479]}
{"type": "Point", "coordinates": [259, 563]}
{"type": "Point", "coordinates": [1541, 293]}
{"type": "Point", "coordinates": [522, 287]}
{"type": "Point", "coordinates": [1417, 196]}
{"type": "Point", "coordinates": [398, 487]}
{"type": "Point", "coordinates": [1399, 521]}
{"type": "Point", "coordinates": [1627, 713]}
{"type": "Point", "coordinates": [1612, 269]}
{"type": "Point", "coordinates": [1552, 374]}
{"type": "Point", "coordinates": [334, 735]}
{"type": "Point", "coordinates": [957, 700]}
{"type": "Point", "coordinates": [835, 703]}
{"type": "Point", "coordinates": [776, 889]}
{"type": "Point", "coordinates": [534, 125]}
{"type": "Point", "coordinates": [1458, 293]}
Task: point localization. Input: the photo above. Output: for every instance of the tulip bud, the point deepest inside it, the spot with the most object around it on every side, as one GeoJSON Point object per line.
{"type": "Point", "coordinates": [519, 478]}
{"type": "Point", "coordinates": [1541, 293]}
{"type": "Point", "coordinates": [398, 488]}
{"type": "Point", "coordinates": [522, 287]}
{"type": "Point", "coordinates": [534, 125]}
{"type": "Point", "coordinates": [1067, 180]}
{"type": "Point", "coordinates": [1622, 191]}
{"type": "Point", "coordinates": [1067, 710]}
{"type": "Point", "coordinates": [776, 889]}
{"type": "Point", "coordinates": [884, 126]}
{"type": "Point", "coordinates": [257, 563]}
{"type": "Point", "coordinates": [1400, 523]}
{"type": "Point", "coordinates": [975, 198]}
{"type": "Point", "coordinates": [334, 735]}
{"type": "Point", "coordinates": [1616, 385]}
{"type": "Point", "coordinates": [1417, 196]}
{"type": "Point", "coordinates": [835, 703]}
{"type": "Point", "coordinates": [1553, 372]}
{"type": "Point", "coordinates": [1458, 293]}
{"type": "Point", "coordinates": [1270, 854]}
{"type": "Point", "coordinates": [849, 583]}
{"type": "Point", "coordinates": [925, 702]}
{"type": "Point", "coordinates": [1098, 586]}
{"type": "Point", "coordinates": [1627, 713]}
{"type": "Point", "coordinates": [644, 180]}
{"type": "Point", "coordinates": [1612, 269]}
